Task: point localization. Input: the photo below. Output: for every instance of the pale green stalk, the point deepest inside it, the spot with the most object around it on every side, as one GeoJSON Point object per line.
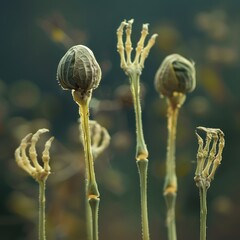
{"type": "Point", "coordinates": [170, 185]}
{"type": "Point", "coordinates": [133, 70]}
{"type": "Point", "coordinates": [203, 212]}
{"type": "Point", "coordinates": [92, 193]}
{"type": "Point", "coordinates": [209, 157]}
{"type": "Point", "coordinates": [141, 153]}
{"type": "Point", "coordinates": [42, 218]}
{"type": "Point", "coordinates": [142, 169]}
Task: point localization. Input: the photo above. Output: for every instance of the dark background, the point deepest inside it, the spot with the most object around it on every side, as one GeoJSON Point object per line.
{"type": "Point", "coordinates": [36, 34]}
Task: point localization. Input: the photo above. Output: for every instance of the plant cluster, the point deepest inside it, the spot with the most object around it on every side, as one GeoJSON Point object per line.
{"type": "Point", "coordinates": [79, 72]}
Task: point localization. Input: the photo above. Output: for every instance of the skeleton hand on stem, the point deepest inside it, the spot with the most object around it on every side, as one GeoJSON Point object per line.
{"type": "Point", "coordinates": [30, 163]}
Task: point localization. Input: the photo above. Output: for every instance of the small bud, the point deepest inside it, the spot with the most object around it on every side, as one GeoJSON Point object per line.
{"type": "Point", "coordinates": [175, 74]}
{"type": "Point", "coordinates": [79, 70]}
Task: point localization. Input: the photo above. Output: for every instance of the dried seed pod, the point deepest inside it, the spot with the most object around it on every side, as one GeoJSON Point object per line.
{"type": "Point", "coordinates": [175, 74]}
{"type": "Point", "coordinates": [79, 70]}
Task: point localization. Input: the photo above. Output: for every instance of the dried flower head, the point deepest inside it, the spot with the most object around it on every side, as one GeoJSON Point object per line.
{"type": "Point", "coordinates": [175, 74]}
{"type": "Point", "coordinates": [79, 70]}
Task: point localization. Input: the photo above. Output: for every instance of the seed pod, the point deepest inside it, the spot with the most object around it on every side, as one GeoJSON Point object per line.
{"type": "Point", "coordinates": [176, 74]}
{"type": "Point", "coordinates": [79, 70]}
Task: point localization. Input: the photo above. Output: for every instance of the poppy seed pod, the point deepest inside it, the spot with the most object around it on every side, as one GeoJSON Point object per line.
{"type": "Point", "coordinates": [79, 70]}
{"type": "Point", "coordinates": [175, 74]}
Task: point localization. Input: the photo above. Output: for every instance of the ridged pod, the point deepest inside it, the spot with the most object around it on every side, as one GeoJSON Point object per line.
{"type": "Point", "coordinates": [175, 74]}
{"type": "Point", "coordinates": [79, 70]}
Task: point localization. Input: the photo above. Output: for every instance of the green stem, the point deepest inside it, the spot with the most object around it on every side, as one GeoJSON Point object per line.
{"type": "Point", "coordinates": [88, 209]}
{"type": "Point", "coordinates": [88, 214]}
{"type": "Point", "coordinates": [141, 152]}
{"type": "Point", "coordinates": [203, 212]}
{"type": "Point", "coordinates": [170, 185]}
{"type": "Point", "coordinates": [94, 204]}
{"type": "Point", "coordinates": [142, 169]}
{"type": "Point", "coordinates": [91, 184]}
{"type": "Point", "coordinates": [42, 219]}
{"type": "Point", "coordinates": [141, 149]}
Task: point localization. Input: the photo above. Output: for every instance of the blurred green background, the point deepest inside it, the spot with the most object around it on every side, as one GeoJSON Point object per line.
{"type": "Point", "coordinates": [34, 37]}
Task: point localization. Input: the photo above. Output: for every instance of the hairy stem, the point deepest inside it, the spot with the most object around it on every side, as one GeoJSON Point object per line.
{"type": "Point", "coordinates": [141, 153]}
{"type": "Point", "coordinates": [42, 218]}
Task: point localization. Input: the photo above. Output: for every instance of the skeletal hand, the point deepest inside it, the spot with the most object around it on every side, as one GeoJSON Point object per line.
{"type": "Point", "coordinates": [100, 138]}
{"type": "Point", "coordinates": [141, 51]}
{"type": "Point", "coordinates": [30, 163]}
{"type": "Point", "coordinates": [209, 156]}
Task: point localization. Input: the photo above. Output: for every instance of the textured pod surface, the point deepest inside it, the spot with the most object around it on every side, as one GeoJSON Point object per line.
{"type": "Point", "coordinates": [78, 69]}
{"type": "Point", "coordinates": [175, 74]}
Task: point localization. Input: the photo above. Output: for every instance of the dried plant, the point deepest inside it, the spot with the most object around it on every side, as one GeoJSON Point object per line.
{"type": "Point", "coordinates": [100, 138]}
{"type": "Point", "coordinates": [174, 78]}
{"type": "Point", "coordinates": [79, 71]}
{"type": "Point", "coordinates": [133, 70]}
{"type": "Point", "coordinates": [39, 172]}
{"type": "Point", "coordinates": [209, 157]}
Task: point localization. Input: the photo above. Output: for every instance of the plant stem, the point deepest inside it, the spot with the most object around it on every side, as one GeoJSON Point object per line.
{"type": "Point", "coordinates": [92, 193]}
{"type": "Point", "coordinates": [87, 206]}
{"type": "Point", "coordinates": [141, 148]}
{"type": "Point", "coordinates": [141, 152]}
{"type": "Point", "coordinates": [94, 204]}
{"type": "Point", "coordinates": [142, 169]}
{"type": "Point", "coordinates": [92, 184]}
{"type": "Point", "coordinates": [170, 185]}
{"type": "Point", "coordinates": [203, 212]}
{"type": "Point", "coordinates": [42, 219]}
{"type": "Point", "coordinates": [88, 214]}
